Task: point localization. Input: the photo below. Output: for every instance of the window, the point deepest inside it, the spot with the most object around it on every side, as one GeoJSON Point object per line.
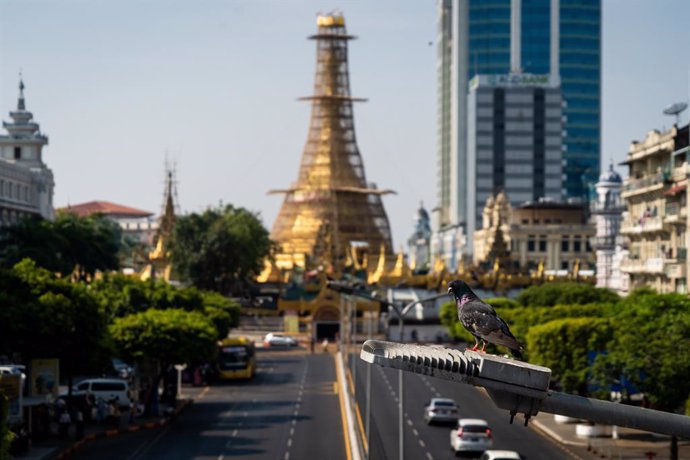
{"type": "Point", "coordinates": [525, 221]}
{"type": "Point", "coordinates": [530, 243]}
{"type": "Point", "coordinates": [565, 244]}
{"type": "Point", "coordinates": [17, 153]}
{"type": "Point", "coordinates": [107, 386]}
{"type": "Point", "coordinates": [542, 245]}
{"type": "Point", "coordinates": [564, 265]}
{"type": "Point", "coordinates": [535, 221]}
{"type": "Point", "coordinates": [577, 245]}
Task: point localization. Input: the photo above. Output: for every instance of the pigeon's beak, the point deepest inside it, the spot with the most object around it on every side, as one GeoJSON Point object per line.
{"type": "Point", "coordinates": [450, 292]}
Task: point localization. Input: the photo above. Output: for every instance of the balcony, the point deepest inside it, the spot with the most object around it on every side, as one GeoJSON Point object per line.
{"type": "Point", "coordinates": [603, 242]}
{"type": "Point", "coordinates": [632, 187]}
{"type": "Point", "coordinates": [675, 269]}
{"type": "Point", "coordinates": [643, 225]}
{"type": "Point", "coordinates": [651, 266]}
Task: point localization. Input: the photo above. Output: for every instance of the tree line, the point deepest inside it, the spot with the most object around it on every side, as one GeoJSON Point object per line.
{"type": "Point", "coordinates": [61, 295]}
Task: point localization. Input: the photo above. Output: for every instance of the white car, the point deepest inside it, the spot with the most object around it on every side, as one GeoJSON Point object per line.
{"type": "Point", "coordinates": [441, 410]}
{"type": "Point", "coordinates": [279, 340]}
{"type": "Point", "coordinates": [500, 455]}
{"type": "Point", "coordinates": [107, 389]}
{"type": "Point", "coordinates": [471, 435]}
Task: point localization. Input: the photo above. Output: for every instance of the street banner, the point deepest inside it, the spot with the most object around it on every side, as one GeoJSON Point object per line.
{"type": "Point", "coordinates": [45, 376]}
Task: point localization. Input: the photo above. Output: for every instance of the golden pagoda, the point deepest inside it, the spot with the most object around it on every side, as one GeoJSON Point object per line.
{"type": "Point", "coordinates": [331, 206]}
{"type": "Point", "coordinates": [160, 266]}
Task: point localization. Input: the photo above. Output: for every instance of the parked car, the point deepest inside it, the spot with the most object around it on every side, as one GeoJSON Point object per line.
{"type": "Point", "coordinates": [440, 410]}
{"type": "Point", "coordinates": [471, 435]}
{"type": "Point", "coordinates": [106, 389]}
{"type": "Point", "coordinates": [500, 455]}
{"type": "Point", "coordinates": [279, 340]}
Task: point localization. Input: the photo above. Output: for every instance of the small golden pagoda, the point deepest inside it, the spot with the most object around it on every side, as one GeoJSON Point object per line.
{"type": "Point", "coordinates": [160, 266]}
{"type": "Point", "coordinates": [331, 206]}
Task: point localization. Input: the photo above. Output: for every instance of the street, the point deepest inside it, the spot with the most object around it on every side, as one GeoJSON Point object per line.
{"type": "Point", "coordinates": [290, 410]}
{"type": "Point", "coordinates": [432, 442]}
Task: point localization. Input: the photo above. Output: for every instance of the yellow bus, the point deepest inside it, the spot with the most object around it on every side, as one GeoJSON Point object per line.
{"type": "Point", "coordinates": [236, 358]}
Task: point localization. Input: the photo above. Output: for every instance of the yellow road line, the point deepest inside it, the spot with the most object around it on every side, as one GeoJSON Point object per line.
{"type": "Point", "coordinates": [359, 415]}
{"type": "Point", "coordinates": [343, 419]}
{"type": "Point", "coordinates": [361, 428]}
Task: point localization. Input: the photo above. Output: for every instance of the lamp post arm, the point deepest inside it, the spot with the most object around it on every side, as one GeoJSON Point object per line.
{"type": "Point", "coordinates": [409, 306]}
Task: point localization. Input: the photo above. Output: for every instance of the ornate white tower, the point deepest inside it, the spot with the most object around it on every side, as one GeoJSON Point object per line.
{"type": "Point", "coordinates": [607, 210]}
{"type": "Point", "coordinates": [420, 241]}
{"type": "Point", "coordinates": [27, 183]}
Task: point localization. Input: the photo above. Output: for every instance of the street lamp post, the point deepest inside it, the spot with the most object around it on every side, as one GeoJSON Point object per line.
{"type": "Point", "coordinates": [401, 312]}
{"type": "Point", "coordinates": [401, 323]}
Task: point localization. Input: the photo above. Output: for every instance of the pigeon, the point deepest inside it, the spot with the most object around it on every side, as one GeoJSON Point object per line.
{"type": "Point", "coordinates": [480, 319]}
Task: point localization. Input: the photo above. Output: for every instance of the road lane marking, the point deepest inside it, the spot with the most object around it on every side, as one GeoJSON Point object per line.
{"type": "Point", "coordinates": [234, 433]}
{"type": "Point", "coordinates": [203, 392]}
{"type": "Point", "coordinates": [361, 428]}
{"type": "Point", "coordinates": [421, 443]}
{"type": "Point", "coordinates": [289, 442]}
{"type": "Point", "coordinates": [428, 455]}
{"type": "Point", "coordinates": [292, 431]}
{"type": "Point", "coordinates": [287, 455]}
{"type": "Point", "coordinates": [221, 457]}
{"type": "Point", "coordinates": [294, 421]}
{"type": "Point", "coordinates": [409, 422]}
{"type": "Point", "coordinates": [343, 420]}
{"type": "Point", "coordinates": [416, 433]}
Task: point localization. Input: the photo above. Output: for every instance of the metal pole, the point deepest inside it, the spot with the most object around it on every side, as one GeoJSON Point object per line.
{"type": "Point", "coordinates": [402, 417]}
{"type": "Point", "coordinates": [354, 340]}
{"type": "Point", "coordinates": [368, 398]}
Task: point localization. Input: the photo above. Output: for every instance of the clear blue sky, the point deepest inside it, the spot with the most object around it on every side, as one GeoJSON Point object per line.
{"type": "Point", "coordinates": [116, 85]}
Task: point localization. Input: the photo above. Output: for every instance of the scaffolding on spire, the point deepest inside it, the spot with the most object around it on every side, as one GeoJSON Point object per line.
{"type": "Point", "coordinates": [331, 205]}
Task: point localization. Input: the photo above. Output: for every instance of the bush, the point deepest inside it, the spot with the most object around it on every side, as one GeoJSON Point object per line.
{"type": "Point", "coordinates": [564, 344]}
{"type": "Point", "coordinates": [550, 294]}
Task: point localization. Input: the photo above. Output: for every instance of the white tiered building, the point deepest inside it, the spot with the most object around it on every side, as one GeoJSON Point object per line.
{"type": "Point", "coordinates": [609, 246]}
{"type": "Point", "coordinates": [26, 183]}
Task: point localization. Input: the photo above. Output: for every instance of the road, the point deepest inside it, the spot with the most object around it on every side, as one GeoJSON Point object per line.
{"type": "Point", "coordinates": [433, 442]}
{"type": "Point", "coordinates": [291, 410]}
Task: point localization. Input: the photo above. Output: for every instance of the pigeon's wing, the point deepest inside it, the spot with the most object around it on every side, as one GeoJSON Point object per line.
{"type": "Point", "coordinates": [481, 319]}
{"type": "Point", "coordinates": [500, 334]}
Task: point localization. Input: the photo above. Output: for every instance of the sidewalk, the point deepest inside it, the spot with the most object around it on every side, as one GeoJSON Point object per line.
{"type": "Point", "coordinates": [631, 444]}
{"type": "Point", "coordinates": [59, 448]}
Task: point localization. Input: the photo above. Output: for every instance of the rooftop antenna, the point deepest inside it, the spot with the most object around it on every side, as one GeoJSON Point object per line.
{"type": "Point", "coordinates": [676, 109]}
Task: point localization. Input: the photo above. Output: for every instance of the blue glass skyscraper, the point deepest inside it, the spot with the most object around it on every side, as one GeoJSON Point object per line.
{"type": "Point", "coordinates": [561, 38]}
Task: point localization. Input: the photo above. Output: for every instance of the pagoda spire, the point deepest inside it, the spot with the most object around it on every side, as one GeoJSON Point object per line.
{"type": "Point", "coordinates": [21, 105]}
{"type": "Point", "coordinates": [331, 193]}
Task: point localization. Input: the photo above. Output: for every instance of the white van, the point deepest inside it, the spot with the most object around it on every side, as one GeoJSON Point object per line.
{"type": "Point", "coordinates": [106, 389]}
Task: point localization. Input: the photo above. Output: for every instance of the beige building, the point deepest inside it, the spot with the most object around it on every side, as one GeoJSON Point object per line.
{"type": "Point", "coordinates": [655, 193]}
{"type": "Point", "coordinates": [554, 234]}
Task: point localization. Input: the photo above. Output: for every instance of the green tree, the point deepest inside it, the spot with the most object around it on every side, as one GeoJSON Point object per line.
{"type": "Point", "coordinates": [651, 348]}
{"type": "Point", "coordinates": [546, 295]}
{"type": "Point", "coordinates": [157, 339]}
{"type": "Point", "coordinates": [563, 345]}
{"type": "Point", "coordinates": [121, 295]}
{"type": "Point", "coordinates": [70, 244]}
{"type": "Point", "coordinates": [220, 249]}
{"type": "Point", "coordinates": [45, 316]}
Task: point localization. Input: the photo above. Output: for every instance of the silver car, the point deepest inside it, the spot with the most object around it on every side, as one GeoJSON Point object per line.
{"type": "Point", "coordinates": [440, 410]}
{"type": "Point", "coordinates": [471, 435]}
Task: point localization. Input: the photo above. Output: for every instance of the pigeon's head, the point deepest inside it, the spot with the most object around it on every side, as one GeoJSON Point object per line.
{"type": "Point", "coordinates": [458, 288]}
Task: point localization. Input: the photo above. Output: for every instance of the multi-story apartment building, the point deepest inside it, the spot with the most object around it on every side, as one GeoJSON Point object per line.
{"type": "Point", "coordinates": [656, 220]}
{"type": "Point", "coordinates": [561, 38]}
